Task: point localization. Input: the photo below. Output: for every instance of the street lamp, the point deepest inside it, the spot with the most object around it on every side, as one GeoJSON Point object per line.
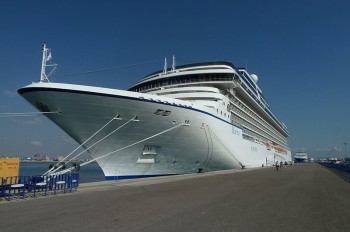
{"type": "Point", "coordinates": [345, 149]}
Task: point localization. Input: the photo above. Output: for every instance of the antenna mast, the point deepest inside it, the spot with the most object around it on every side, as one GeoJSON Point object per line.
{"type": "Point", "coordinates": [165, 66]}
{"type": "Point", "coordinates": [43, 77]}
{"type": "Point", "coordinates": [46, 57]}
{"type": "Point", "coordinates": [173, 67]}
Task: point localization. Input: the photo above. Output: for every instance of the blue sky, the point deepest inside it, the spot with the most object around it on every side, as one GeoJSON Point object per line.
{"type": "Point", "coordinates": [299, 49]}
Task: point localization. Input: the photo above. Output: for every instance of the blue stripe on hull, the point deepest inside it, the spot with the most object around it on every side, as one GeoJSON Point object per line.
{"type": "Point", "coordinates": [301, 161]}
{"type": "Point", "coordinates": [108, 178]}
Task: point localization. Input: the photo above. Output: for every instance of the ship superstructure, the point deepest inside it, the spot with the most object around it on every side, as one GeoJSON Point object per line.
{"type": "Point", "coordinates": [233, 93]}
{"type": "Point", "coordinates": [202, 116]}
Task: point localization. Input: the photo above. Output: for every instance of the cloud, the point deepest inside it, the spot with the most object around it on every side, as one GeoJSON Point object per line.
{"type": "Point", "coordinates": [9, 93]}
{"type": "Point", "coordinates": [36, 143]}
{"type": "Point", "coordinates": [34, 121]}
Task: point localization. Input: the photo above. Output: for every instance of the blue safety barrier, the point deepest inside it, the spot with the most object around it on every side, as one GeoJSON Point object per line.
{"type": "Point", "coordinates": [73, 181]}
{"type": "Point", "coordinates": [40, 184]}
{"type": "Point", "coordinates": [2, 187]}
{"type": "Point", "coordinates": [24, 186]}
{"type": "Point", "coordinates": [58, 183]}
{"type": "Point", "coordinates": [16, 186]}
{"type": "Point", "coordinates": [340, 168]}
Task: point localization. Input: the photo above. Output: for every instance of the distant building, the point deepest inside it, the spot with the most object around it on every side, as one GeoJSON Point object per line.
{"type": "Point", "coordinates": [46, 158]}
{"type": "Point", "coordinates": [37, 157]}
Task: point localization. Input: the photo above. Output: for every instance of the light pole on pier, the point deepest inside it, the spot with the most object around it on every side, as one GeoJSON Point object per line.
{"type": "Point", "coordinates": [345, 149]}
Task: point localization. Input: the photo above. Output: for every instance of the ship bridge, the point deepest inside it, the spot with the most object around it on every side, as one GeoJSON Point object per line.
{"type": "Point", "coordinates": [219, 74]}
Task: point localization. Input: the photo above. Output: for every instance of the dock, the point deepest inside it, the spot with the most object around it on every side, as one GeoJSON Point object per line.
{"type": "Point", "coordinates": [306, 197]}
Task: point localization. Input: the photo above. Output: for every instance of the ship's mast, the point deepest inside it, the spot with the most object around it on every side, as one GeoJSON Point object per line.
{"type": "Point", "coordinates": [165, 69]}
{"type": "Point", "coordinates": [165, 66]}
{"type": "Point", "coordinates": [43, 77]}
{"type": "Point", "coordinates": [46, 57]}
{"type": "Point", "coordinates": [173, 66]}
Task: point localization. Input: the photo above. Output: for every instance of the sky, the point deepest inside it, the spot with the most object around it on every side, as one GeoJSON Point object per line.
{"type": "Point", "coordinates": [300, 49]}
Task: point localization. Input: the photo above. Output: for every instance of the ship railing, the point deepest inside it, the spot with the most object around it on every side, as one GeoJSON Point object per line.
{"type": "Point", "coordinates": [21, 187]}
{"type": "Point", "coordinates": [189, 82]}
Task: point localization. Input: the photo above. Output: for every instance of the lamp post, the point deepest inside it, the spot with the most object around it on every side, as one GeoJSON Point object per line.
{"type": "Point", "coordinates": [345, 149]}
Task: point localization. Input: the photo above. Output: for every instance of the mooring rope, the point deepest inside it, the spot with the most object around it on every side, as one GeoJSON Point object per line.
{"type": "Point", "coordinates": [210, 131]}
{"type": "Point", "coordinates": [101, 139]}
{"type": "Point", "coordinates": [56, 168]}
{"type": "Point", "coordinates": [120, 149]}
{"type": "Point", "coordinates": [108, 69]}
{"type": "Point", "coordinates": [26, 114]}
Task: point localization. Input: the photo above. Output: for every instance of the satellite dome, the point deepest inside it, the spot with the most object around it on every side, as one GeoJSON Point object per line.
{"type": "Point", "coordinates": [254, 77]}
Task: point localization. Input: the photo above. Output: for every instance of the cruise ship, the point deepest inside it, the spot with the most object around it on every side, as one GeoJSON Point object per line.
{"type": "Point", "coordinates": [301, 157]}
{"type": "Point", "coordinates": [198, 117]}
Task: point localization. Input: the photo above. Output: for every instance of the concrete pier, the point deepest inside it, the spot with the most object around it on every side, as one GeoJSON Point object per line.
{"type": "Point", "coordinates": [300, 198]}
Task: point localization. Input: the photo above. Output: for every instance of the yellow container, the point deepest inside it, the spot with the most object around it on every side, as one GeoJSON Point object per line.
{"type": "Point", "coordinates": [8, 167]}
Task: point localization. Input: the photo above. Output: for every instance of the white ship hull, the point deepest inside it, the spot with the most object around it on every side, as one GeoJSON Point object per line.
{"type": "Point", "coordinates": [209, 141]}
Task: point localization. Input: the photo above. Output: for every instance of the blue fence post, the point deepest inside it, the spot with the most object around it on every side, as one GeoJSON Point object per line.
{"type": "Point", "coordinates": [39, 184]}
{"type": "Point", "coordinates": [19, 185]}
{"type": "Point", "coordinates": [2, 189]}
{"type": "Point", "coordinates": [60, 183]}
{"type": "Point", "coordinates": [73, 181]}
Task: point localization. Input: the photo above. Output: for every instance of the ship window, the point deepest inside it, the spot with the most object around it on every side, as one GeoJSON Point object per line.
{"type": "Point", "coordinates": [158, 112]}
{"type": "Point", "coordinates": [166, 113]}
